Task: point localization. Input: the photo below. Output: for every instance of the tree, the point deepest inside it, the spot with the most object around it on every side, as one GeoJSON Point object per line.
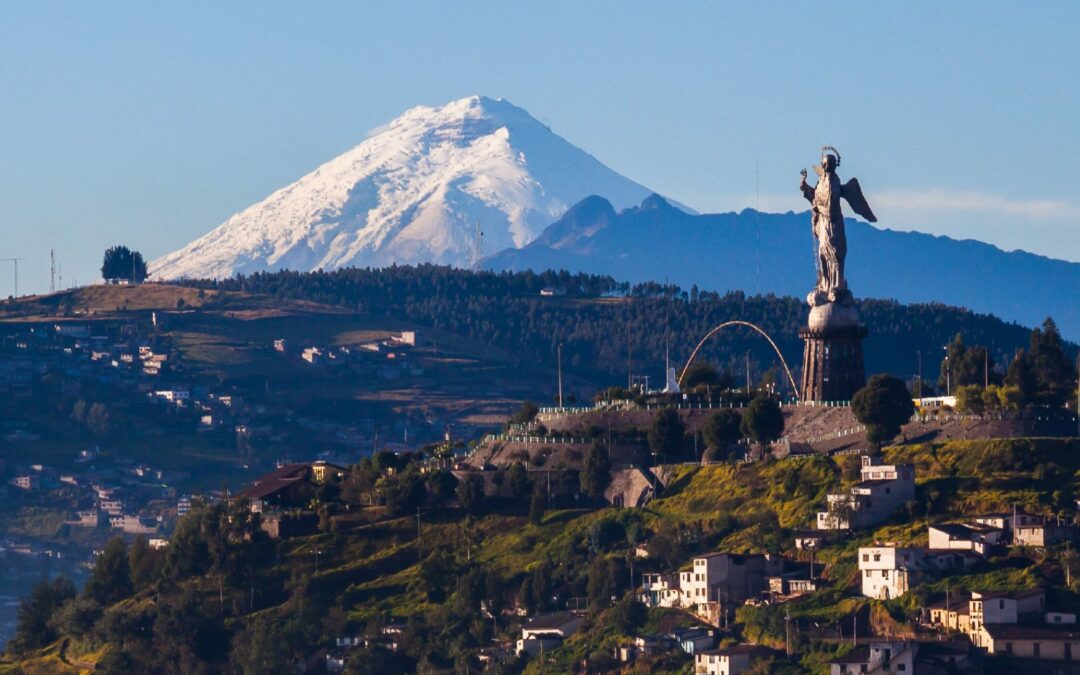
{"type": "Point", "coordinates": [520, 485]}
{"type": "Point", "coordinates": [122, 263]}
{"type": "Point", "coordinates": [702, 374]}
{"type": "Point", "coordinates": [525, 414]}
{"type": "Point", "coordinates": [763, 421]}
{"type": "Point", "coordinates": [964, 366]}
{"type": "Point", "coordinates": [884, 405]}
{"type": "Point", "coordinates": [629, 615]}
{"type": "Point", "coordinates": [110, 581]}
{"type": "Point", "coordinates": [470, 493]}
{"type": "Point", "coordinates": [443, 485]}
{"type": "Point", "coordinates": [1053, 371]}
{"type": "Point", "coordinates": [969, 400]}
{"type": "Point", "coordinates": [721, 431]}
{"type": "Point", "coordinates": [601, 585]}
{"type": "Point", "coordinates": [98, 420]}
{"type": "Point", "coordinates": [1022, 377]}
{"type": "Point", "coordinates": [666, 433]}
{"type": "Point", "coordinates": [437, 573]}
{"type": "Point", "coordinates": [538, 504]}
{"type": "Point", "coordinates": [35, 628]}
{"type": "Point", "coordinates": [596, 475]}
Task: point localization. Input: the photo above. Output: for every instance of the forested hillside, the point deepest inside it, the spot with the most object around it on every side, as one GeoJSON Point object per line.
{"type": "Point", "coordinates": [598, 318]}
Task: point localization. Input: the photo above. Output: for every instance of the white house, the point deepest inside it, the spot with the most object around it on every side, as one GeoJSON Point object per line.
{"type": "Point", "coordinates": [877, 658]}
{"type": "Point", "coordinates": [1003, 608]}
{"type": "Point", "coordinates": [660, 590]}
{"type": "Point", "coordinates": [727, 661]}
{"type": "Point", "coordinates": [547, 631]}
{"type": "Point", "coordinates": [882, 489]}
{"type": "Point", "coordinates": [885, 571]}
{"type": "Point", "coordinates": [961, 537]}
{"type": "Point", "coordinates": [718, 582]}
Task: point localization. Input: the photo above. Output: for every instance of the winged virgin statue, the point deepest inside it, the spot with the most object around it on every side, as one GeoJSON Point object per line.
{"type": "Point", "coordinates": [828, 224]}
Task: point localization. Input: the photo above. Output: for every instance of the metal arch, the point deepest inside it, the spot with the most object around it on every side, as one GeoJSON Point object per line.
{"type": "Point", "coordinates": [762, 333]}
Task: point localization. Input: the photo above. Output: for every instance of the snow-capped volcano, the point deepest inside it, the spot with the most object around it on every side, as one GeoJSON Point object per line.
{"type": "Point", "coordinates": [412, 192]}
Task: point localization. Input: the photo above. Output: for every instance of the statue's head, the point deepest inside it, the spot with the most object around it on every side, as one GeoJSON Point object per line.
{"type": "Point", "coordinates": [830, 158]}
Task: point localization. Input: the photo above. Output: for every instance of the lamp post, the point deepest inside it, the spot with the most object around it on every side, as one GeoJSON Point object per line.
{"type": "Point", "coordinates": [948, 372]}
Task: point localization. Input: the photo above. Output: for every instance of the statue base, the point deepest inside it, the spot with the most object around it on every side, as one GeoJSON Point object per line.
{"type": "Point", "coordinates": [832, 358]}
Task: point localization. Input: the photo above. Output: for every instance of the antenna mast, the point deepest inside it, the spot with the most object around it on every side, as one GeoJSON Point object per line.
{"type": "Point", "coordinates": [16, 262]}
{"type": "Point", "coordinates": [52, 271]}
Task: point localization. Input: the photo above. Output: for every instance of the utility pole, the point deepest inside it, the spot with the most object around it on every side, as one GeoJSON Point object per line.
{"type": "Point", "coordinates": [918, 380]}
{"type": "Point", "coordinates": [748, 372]}
{"type": "Point", "coordinates": [16, 262]}
{"type": "Point", "coordinates": [52, 271]}
{"type": "Point", "coordinates": [560, 374]}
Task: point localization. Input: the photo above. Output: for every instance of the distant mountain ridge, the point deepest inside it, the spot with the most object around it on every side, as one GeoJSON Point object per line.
{"type": "Point", "coordinates": [410, 193]}
{"type": "Point", "coordinates": [773, 253]}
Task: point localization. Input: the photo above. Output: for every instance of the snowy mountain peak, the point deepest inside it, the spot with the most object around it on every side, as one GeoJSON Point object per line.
{"type": "Point", "coordinates": [412, 192]}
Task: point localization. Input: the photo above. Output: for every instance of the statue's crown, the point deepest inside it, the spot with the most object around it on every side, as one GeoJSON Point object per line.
{"type": "Point", "coordinates": [830, 151]}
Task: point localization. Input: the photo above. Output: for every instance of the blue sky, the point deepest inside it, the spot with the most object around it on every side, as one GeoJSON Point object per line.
{"type": "Point", "coordinates": [150, 123]}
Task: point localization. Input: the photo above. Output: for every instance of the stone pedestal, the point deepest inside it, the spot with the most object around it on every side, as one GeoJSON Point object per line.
{"type": "Point", "coordinates": [832, 359]}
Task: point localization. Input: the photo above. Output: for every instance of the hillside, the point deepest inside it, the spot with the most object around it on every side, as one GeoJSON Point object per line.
{"type": "Point", "coordinates": [597, 319]}
{"type": "Point", "coordinates": [370, 573]}
{"type": "Point", "coordinates": [414, 191]}
{"type": "Point", "coordinates": [773, 253]}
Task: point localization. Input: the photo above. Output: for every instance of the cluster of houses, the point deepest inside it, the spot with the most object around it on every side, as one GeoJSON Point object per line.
{"type": "Point", "coordinates": [102, 492]}
{"type": "Point", "coordinates": [716, 584]}
{"type": "Point", "coordinates": [881, 490]}
{"type": "Point", "coordinates": [387, 358]}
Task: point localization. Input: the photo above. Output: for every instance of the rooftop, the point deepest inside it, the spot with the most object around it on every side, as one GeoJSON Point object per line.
{"type": "Point", "coordinates": [555, 620]}
{"type": "Point", "coordinates": [730, 651]}
{"type": "Point", "coordinates": [1012, 632]}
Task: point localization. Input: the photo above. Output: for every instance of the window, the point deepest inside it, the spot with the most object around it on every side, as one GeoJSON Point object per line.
{"type": "Point", "coordinates": [1035, 649]}
{"type": "Point", "coordinates": [867, 574]}
{"type": "Point", "coordinates": [1001, 604]}
{"type": "Point", "coordinates": [901, 667]}
{"type": "Point", "coordinates": [877, 557]}
{"type": "Point", "coordinates": [1008, 648]}
{"type": "Point", "coordinates": [866, 557]}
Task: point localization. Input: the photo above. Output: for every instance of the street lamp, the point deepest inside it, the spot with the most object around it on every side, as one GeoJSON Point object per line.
{"type": "Point", "coordinates": [948, 373]}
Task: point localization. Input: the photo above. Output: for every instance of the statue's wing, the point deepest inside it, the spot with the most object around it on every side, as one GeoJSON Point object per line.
{"type": "Point", "coordinates": [854, 196]}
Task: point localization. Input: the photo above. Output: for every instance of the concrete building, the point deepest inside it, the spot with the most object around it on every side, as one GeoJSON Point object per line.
{"type": "Point", "coordinates": [1041, 534]}
{"type": "Point", "coordinates": [885, 571]}
{"type": "Point", "coordinates": [882, 489]}
{"type": "Point", "coordinates": [717, 583]}
{"type": "Point", "coordinates": [1033, 642]}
